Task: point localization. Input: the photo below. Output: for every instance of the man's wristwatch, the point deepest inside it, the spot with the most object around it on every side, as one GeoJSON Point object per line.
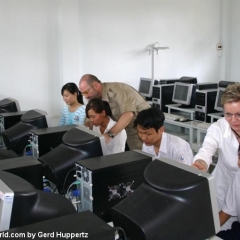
{"type": "Point", "coordinates": [110, 134]}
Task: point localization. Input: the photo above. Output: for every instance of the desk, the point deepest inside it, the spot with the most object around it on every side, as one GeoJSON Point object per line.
{"type": "Point", "coordinates": [215, 116]}
{"type": "Point", "coordinates": [188, 131]}
{"type": "Point", "coordinates": [183, 111]}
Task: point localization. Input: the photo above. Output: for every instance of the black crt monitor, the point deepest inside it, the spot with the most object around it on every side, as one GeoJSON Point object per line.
{"type": "Point", "coordinates": [77, 144]}
{"type": "Point", "coordinates": [9, 119]}
{"type": "Point", "coordinates": [224, 84]}
{"type": "Point", "coordinates": [145, 87]}
{"type": "Point", "coordinates": [185, 79]}
{"type": "Point", "coordinates": [16, 137]}
{"type": "Point", "coordinates": [9, 105]}
{"type": "Point", "coordinates": [22, 204]}
{"type": "Point", "coordinates": [218, 106]}
{"type": "Point", "coordinates": [184, 94]}
{"type": "Point", "coordinates": [175, 201]}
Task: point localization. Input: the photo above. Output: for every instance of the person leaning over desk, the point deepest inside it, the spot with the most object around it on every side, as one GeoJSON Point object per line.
{"type": "Point", "coordinates": [223, 136]}
{"type": "Point", "coordinates": [99, 114]}
{"type": "Point", "coordinates": [149, 124]}
{"type": "Point", "coordinates": [125, 103]}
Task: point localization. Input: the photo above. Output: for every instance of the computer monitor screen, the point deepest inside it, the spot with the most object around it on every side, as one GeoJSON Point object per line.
{"type": "Point", "coordinates": [218, 106]}
{"type": "Point", "coordinates": [145, 87]}
{"type": "Point", "coordinates": [170, 204]}
{"type": "Point", "coordinates": [9, 105]}
{"type": "Point", "coordinates": [77, 144]}
{"type": "Point", "coordinates": [16, 137]}
{"type": "Point", "coordinates": [22, 204]}
{"type": "Point", "coordinates": [184, 94]}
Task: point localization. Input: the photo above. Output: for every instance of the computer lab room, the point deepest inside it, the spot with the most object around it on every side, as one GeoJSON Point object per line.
{"type": "Point", "coordinates": [59, 182]}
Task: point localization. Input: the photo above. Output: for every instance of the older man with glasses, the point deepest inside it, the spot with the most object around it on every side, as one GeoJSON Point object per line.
{"type": "Point", "coordinates": [124, 101]}
{"type": "Point", "coordinates": [223, 136]}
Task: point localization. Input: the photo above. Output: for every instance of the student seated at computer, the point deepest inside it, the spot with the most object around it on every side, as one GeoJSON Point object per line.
{"type": "Point", "coordinates": [231, 207]}
{"type": "Point", "coordinates": [149, 124]}
{"type": "Point", "coordinates": [74, 111]}
{"type": "Point", "coordinates": [99, 114]}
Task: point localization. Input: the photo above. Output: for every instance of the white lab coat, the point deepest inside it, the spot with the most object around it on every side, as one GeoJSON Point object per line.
{"type": "Point", "coordinates": [231, 205]}
{"type": "Point", "coordinates": [220, 137]}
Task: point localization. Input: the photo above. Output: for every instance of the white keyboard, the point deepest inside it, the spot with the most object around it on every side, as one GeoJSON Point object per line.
{"type": "Point", "coordinates": [173, 117]}
{"type": "Point", "coordinates": [204, 125]}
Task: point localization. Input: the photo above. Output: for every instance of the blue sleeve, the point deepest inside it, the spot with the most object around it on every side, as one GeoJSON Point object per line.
{"type": "Point", "coordinates": [62, 119]}
{"type": "Point", "coordinates": [80, 115]}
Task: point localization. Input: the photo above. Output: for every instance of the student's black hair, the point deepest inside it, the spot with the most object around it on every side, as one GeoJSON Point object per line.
{"type": "Point", "coordinates": [98, 106]}
{"type": "Point", "coordinates": [150, 118]}
{"type": "Point", "coordinates": [72, 88]}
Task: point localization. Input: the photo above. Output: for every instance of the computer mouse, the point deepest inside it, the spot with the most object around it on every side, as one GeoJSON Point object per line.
{"type": "Point", "coordinates": [182, 119]}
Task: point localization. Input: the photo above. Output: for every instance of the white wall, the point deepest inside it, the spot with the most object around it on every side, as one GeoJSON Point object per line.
{"type": "Point", "coordinates": [46, 43]}
{"type": "Point", "coordinates": [115, 34]}
{"type": "Point", "coordinates": [38, 51]}
{"type": "Point", "coordinates": [234, 41]}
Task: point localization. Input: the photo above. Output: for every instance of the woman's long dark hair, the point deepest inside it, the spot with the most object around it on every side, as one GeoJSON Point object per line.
{"type": "Point", "coordinates": [72, 88]}
{"type": "Point", "coordinates": [98, 106]}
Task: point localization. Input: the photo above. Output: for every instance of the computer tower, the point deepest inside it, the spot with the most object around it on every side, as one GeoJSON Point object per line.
{"type": "Point", "coordinates": [207, 86]}
{"type": "Point", "coordinates": [43, 140]}
{"type": "Point", "coordinates": [162, 95]}
{"type": "Point", "coordinates": [9, 119]}
{"type": "Point", "coordinates": [25, 167]}
{"type": "Point", "coordinates": [84, 225]}
{"type": "Point", "coordinates": [205, 101]}
{"type": "Point", "coordinates": [106, 180]}
{"type": "Point", "coordinates": [169, 81]}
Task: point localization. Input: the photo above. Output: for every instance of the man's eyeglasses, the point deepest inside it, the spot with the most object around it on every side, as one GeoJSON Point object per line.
{"type": "Point", "coordinates": [87, 91]}
{"type": "Point", "coordinates": [229, 115]}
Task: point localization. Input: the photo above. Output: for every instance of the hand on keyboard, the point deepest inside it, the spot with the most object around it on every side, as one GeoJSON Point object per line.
{"type": "Point", "coordinates": [173, 117]}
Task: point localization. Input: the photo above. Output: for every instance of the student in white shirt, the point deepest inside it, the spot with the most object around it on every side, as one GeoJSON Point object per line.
{"type": "Point", "coordinates": [99, 112]}
{"type": "Point", "coordinates": [149, 124]}
{"type": "Point", "coordinates": [223, 136]}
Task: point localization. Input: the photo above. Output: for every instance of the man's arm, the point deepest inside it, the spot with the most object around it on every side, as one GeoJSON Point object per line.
{"type": "Point", "coordinates": [121, 124]}
{"type": "Point", "coordinates": [223, 217]}
{"type": "Point", "coordinates": [88, 124]}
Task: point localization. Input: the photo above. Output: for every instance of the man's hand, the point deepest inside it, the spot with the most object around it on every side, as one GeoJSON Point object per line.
{"type": "Point", "coordinates": [88, 124]}
{"type": "Point", "coordinates": [200, 164]}
{"type": "Point", "coordinates": [107, 138]}
{"type": "Point", "coordinates": [223, 217]}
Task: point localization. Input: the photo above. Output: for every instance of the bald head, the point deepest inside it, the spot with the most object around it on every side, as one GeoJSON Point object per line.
{"type": "Point", "coordinates": [89, 79]}
{"type": "Point", "coordinates": [90, 86]}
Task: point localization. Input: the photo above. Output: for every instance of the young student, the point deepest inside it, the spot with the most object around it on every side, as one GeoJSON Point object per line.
{"type": "Point", "coordinates": [74, 111]}
{"type": "Point", "coordinates": [99, 114]}
{"type": "Point", "coordinates": [231, 207]}
{"type": "Point", "coordinates": [150, 129]}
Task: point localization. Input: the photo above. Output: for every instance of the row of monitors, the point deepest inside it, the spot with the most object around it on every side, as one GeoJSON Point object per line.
{"type": "Point", "coordinates": [159, 188]}
{"type": "Point", "coordinates": [164, 204]}
{"type": "Point", "coordinates": [183, 91]}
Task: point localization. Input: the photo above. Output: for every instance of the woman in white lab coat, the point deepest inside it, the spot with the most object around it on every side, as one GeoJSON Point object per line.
{"type": "Point", "coordinates": [223, 136]}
